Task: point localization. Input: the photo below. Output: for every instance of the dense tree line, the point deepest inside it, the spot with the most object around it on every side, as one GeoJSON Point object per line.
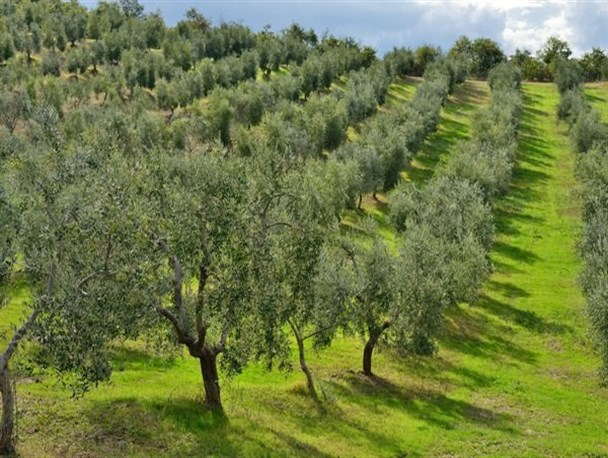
{"type": "Point", "coordinates": [482, 55]}
{"type": "Point", "coordinates": [593, 65]}
{"type": "Point", "coordinates": [448, 225]}
{"type": "Point", "coordinates": [218, 224]}
{"type": "Point", "coordinates": [589, 137]}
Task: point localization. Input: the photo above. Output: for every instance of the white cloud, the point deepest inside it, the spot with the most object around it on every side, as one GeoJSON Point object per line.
{"type": "Point", "coordinates": [520, 32]}
{"type": "Point", "coordinates": [387, 23]}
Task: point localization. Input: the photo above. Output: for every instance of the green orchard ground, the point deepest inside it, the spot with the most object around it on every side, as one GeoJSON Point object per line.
{"type": "Point", "coordinates": [597, 94]}
{"type": "Point", "coordinates": [514, 374]}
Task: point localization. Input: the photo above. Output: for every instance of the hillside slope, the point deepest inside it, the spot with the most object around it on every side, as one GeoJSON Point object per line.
{"type": "Point", "coordinates": [525, 343]}
{"type": "Point", "coordinates": [514, 375]}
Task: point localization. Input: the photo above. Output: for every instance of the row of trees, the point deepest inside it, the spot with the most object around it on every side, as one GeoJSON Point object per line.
{"type": "Point", "coordinates": [310, 127]}
{"type": "Point", "coordinates": [593, 65]}
{"type": "Point", "coordinates": [448, 224]}
{"type": "Point", "coordinates": [488, 159]}
{"type": "Point", "coordinates": [589, 137]}
{"type": "Point", "coordinates": [246, 103]}
{"type": "Point", "coordinates": [387, 142]}
{"type": "Point", "coordinates": [483, 54]}
{"type": "Point", "coordinates": [121, 230]}
{"type": "Point", "coordinates": [31, 26]}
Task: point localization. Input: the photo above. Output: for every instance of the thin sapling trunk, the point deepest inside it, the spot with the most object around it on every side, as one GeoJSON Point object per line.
{"type": "Point", "coordinates": [310, 384]}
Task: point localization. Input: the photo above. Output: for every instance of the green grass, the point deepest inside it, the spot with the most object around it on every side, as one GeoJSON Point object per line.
{"type": "Point", "coordinates": [597, 94]}
{"type": "Point", "coordinates": [454, 127]}
{"type": "Point", "coordinates": [402, 90]}
{"type": "Point", "coordinates": [514, 375]}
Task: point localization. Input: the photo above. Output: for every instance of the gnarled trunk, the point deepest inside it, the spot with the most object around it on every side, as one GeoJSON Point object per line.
{"type": "Point", "coordinates": [208, 362]}
{"type": "Point", "coordinates": [368, 350]}
{"type": "Point", "coordinates": [7, 447]}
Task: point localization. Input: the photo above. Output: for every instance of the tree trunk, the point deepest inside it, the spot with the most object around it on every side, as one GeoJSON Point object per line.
{"type": "Point", "coordinates": [7, 447]}
{"type": "Point", "coordinates": [208, 362]}
{"type": "Point", "coordinates": [310, 384]}
{"type": "Point", "coordinates": [374, 335]}
{"type": "Point", "coordinates": [367, 355]}
{"type": "Point", "coordinates": [360, 201]}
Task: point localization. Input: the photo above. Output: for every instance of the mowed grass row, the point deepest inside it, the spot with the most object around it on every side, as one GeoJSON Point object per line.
{"type": "Point", "coordinates": [454, 127]}
{"type": "Point", "coordinates": [524, 346]}
{"type": "Point", "coordinates": [597, 94]}
{"type": "Point", "coordinates": [514, 376]}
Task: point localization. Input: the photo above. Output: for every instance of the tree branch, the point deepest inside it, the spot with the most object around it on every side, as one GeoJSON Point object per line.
{"type": "Point", "coordinates": [17, 337]}
{"type": "Point", "coordinates": [350, 253]}
{"type": "Point", "coordinates": [182, 335]}
{"type": "Point", "coordinates": [317, 332]}
{"type": "Point", "coordinates": [279, 223]}
{"type": "Point", "coordinates": [293, 327]}
{"type": "Point", "coordinates": [175, 265]}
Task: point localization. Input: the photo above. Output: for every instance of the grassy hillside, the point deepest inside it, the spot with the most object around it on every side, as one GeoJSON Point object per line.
{"type": "Point", "coordinates": [514, 374]}
{"type": "Point", "coordinates": [454, 126]}
{"type": "Point", "coordinates": [597, 94]}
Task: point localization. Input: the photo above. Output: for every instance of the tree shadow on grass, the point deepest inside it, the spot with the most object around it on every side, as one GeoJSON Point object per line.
{"type": "Point", "coordinates": [124, 424]}
{"type": "Point", "coordinates": [470, 95]}
{"type": "Point", "coordinates": [183, 427]}
{"type": "Point", "coordinates": [425, 404]}
{"type": "Point", "coordinates": [506, 267]}
{"type": "Point", "coordinates": [298, 446]}
{"type": "Point", "coordinates": [440, 370]}
{"type": "Point", "coordinates": [508, 289]}
{"type": "Point", "coordinates": [527, 319]}
{"type": "Point", "coordinates": [593, 98]}
{"type": "Point", "coordinates": [425, 162]}
{"type": "Point", "coordinates": [468, 331]}
{"type": "Point", "coordinates": [515, 253]}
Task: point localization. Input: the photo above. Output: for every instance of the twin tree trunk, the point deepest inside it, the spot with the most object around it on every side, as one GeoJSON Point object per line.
{"type": "Point", "coordinates": [368, 351]}
{"type": "Point", "coordinates": [8, 415]}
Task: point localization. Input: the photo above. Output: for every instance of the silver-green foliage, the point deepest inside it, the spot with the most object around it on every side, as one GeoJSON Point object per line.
{"type": "Point", "coordinates": [589, 136]}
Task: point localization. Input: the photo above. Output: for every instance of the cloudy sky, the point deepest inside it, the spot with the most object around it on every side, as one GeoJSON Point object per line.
{"type": "Point", "coordinates": [387, 23]}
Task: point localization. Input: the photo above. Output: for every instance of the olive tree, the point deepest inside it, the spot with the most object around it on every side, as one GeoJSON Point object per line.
{"type": "Point", "coordinates": [592, 171]}
{"type": "Point", "coordinates": [15, 105]}
{"type": "Point", "coordinates": [200, 242]}
{"type": "Point", "coordinates": [447, 229]}
{"type": "Point", "coordinates": [371, 171]}
{"type": "Point", "coordinates": [302, 260]}
{"type": "Point", "coordinates": [376, 301]}
{"type": "Point", "coordinates": [72, 254]}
